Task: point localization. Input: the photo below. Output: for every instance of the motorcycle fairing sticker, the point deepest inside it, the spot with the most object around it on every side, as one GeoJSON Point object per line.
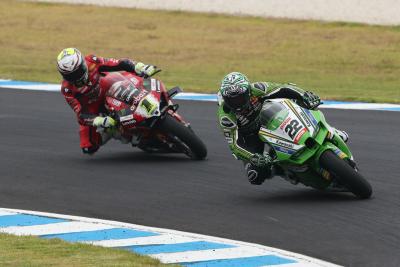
{"type": "Point", "coordinates": [291, 129]}
{"type": "Point", "coordinates": [155, 85]}
{"type": "Point", "coordinates": [340, 154]}
{"type": "Point", "coordinates": [278, 140]}
{"type": "Point", "coordinates": [311, 117]}
{"type": "Point", "coordinates": [284, 150]}
{"type": "Point", "coordinates": [147, 106]}
{"type": "Point", "coordinates": [301, 116]}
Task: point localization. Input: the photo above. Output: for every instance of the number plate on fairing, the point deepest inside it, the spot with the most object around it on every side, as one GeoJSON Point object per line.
{"type": "Point", "coordinates": [284, 133]}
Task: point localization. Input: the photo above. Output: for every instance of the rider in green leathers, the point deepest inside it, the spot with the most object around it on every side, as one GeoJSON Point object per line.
{"type": "Point", "coordinates": [240, 104]}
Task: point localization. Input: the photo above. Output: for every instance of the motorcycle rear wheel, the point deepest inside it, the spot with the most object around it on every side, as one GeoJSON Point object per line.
{"type": "Point", "coordinates": [198, 150]}
{"type": "Point", "coordinates": [346, 175]}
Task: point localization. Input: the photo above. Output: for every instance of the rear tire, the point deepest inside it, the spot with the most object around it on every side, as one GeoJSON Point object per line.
{"type": "Point", "coordinates": [346, 175]}
{"type": "Point", "coordinates": [198, 150]}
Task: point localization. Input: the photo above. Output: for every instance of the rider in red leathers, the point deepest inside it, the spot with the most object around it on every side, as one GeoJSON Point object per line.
{"type": "Point", "coordinates": [80, 87]}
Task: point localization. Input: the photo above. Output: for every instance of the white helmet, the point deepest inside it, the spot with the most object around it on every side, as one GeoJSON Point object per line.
{"type": "Point", "coordinates": [72, 66]}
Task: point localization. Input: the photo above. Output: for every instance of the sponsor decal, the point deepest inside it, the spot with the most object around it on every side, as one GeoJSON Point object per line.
{"type": "Point", "coordinates": [340, 154]}
{"type": "Point", "coordinates": [228, 137]}
{"type": "Point", "coordinates": [115, 87]}
{"type": "Point", "coordinates": [148, 106]}
{"type": "Point", "coordinates": [126, 118]}
{"type": "Point", "coordinates": [134, 80]}
{"type": "Point", "coordinates": [116, 102]}
{"type": "Point", "coordinates": [284, 150]}
{"type": "Point", "coordinates": [306, 119]}
{"type": "Point", "coordinates": [297, 138]}
{"type": "Point", "coordinates": [128, 98]}
{"type": "Point", "coordinates": [125, 123]}
{"type": "Point", "coordinates": [158, 87]}
{"type": "Point", "coordinates": [284, 144]}
{"type": "Point", "coordinates": [284, 123]}
{"type": "Point", "coordinates": [137, 99]}
{"type": "Point", "coordinates": [311, 116]}
{"type": "Point", "coordinates": [153, 85]}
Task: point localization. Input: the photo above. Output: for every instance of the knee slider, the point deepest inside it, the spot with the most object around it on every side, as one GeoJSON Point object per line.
{"type": "Point", "coordinates": [90, 150]}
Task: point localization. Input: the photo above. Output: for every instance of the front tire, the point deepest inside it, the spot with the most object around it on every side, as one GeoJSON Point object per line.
{"type": "Point", "coordinates": [197, 149]}
{"type": "Point", "coordinates": [345, 174]}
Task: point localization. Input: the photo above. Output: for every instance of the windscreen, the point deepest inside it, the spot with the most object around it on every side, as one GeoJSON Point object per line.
{"type": "Point", "coordinates": [269, 111]}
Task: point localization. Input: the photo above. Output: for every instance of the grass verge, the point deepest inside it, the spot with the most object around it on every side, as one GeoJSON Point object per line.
{"type": "Point", "coordinates": [34, 251]}
{"type": "Point", "coordinates": [343, 61]}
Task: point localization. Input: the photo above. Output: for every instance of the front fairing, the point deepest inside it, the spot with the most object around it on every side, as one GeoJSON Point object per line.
{"type": "Point", "coordinates": [133, 100]}
{"type": "Point", "coordinates": [298, 153]}
{"type": "Point", "coordinates": [287, 128]}
{"type": "Point", "coordinates": [297, 134]}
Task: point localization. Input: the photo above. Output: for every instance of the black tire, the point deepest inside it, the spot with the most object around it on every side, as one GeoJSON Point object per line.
{"type": "Point", "coordinates": [345, 174]}
{"type": "Point", "coordinates": [198, 150]}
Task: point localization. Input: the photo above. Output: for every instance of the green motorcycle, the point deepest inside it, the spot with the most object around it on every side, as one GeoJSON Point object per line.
{"type": "Point", "coordinates": [308, 150]}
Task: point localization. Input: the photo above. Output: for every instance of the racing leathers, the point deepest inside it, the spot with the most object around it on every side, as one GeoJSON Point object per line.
{"type": "Point", "coordinates": [241, 129]}
{"type": "Point", "coordinates": [88, 101]}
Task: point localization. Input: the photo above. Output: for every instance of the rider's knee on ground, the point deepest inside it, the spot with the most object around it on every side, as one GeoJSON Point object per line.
{"type": "Point", "coordinates": [257, 175]}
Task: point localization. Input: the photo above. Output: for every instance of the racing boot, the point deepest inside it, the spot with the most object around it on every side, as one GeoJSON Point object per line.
{"type": "Point", "coordinates": [342, 134]}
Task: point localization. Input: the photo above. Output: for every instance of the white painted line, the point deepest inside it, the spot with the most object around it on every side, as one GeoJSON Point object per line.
{"type": "Point", "coordinates": [211, 254]}
{"type": "Point", "coordinates": [227, 253]}
{"type": "Point", "coordinates": [55, 228]}
{"type": "Point", "coordinates": [151, 240]}
{"type": "Point", "coordinates": [211, 97]}
{"type": "Point", "coordinates": [244, 245]}
{"type": "Point", "coordinates": [49, 88]}
{"type": "Point", "coordinates": [360, 106]}
{"type": "Point", "coordinates": [297, 264]}
{"type": "Point", "coordinates": [4, 213]}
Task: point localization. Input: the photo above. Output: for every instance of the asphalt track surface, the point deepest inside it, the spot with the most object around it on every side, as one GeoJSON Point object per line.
{"type": "Point", "coordinates": [42, 168]}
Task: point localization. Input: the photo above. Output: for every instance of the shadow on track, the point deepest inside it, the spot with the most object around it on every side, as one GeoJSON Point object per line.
{"type": "Point", "coordinates": [300, 196]}
{"type": "Point", "coordinates": [136, 157]}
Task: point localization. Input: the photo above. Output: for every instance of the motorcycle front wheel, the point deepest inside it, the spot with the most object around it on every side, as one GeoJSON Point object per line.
{"type": "Point", "coordinates": [190, 142]}
{"type": "Point", "coordinates": [345, 174]}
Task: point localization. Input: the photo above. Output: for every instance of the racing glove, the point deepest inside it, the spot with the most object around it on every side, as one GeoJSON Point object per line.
{"type": "Point", "coordinates": [144, 70]}
{"type": "Point", "coordinates": [104, 122]}
{"type": "Point", "coordinates": [261, 161]}
{"type": "Point", "coordinates": [311, 100]}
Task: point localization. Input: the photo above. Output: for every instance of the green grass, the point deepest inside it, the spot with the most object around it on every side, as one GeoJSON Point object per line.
{"type": "Point", "coordinates": [345, 61]}
{"type": "Point", "coordinates": [33, 251]}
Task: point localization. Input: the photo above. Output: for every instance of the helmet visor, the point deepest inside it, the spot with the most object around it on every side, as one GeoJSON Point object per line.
{"type": "Point", "coordinates": [238, 102]}
{"type": "Point", "coordinates": [79, 76]}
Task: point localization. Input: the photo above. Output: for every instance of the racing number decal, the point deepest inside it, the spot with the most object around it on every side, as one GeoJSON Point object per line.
{"type": "Point", "coordinates": [148, 106]}
{"type": "Point", "coordinates": [293, 128]}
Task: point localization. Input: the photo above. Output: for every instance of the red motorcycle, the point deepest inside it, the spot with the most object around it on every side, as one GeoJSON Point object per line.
{"type": "Point", "coordinates": [147, 117]}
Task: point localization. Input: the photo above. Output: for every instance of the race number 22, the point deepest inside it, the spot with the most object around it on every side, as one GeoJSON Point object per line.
{"type": "Point", "coordinates": [293, 128]}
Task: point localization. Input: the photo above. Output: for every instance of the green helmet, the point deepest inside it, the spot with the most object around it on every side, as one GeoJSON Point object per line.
{"type": "Point", "coordinates": [235, 90]}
